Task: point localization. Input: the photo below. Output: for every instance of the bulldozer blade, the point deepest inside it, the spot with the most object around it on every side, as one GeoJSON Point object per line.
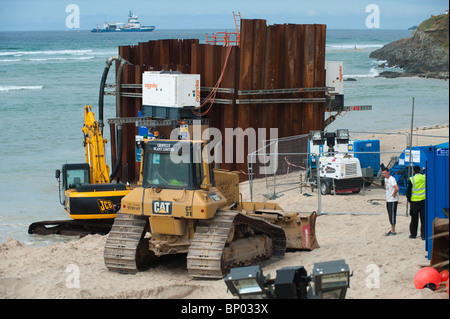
{"type": "Point", "coordinates": [300, 231]}
{"type": "Point", "coordinates": [300, 228]}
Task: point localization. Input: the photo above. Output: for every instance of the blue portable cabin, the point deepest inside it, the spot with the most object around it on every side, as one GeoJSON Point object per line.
{"type": "Point", "coordinates": [435, 162]}
{"type": "Point", "coordinates": [400, 169]}
{"type": "Point", "coordinates": [437, 189]}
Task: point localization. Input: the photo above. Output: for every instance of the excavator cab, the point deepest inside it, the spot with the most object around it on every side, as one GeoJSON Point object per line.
{"type": "Point", "coordinates": [73, 175]}
{"type": "Point", "coordinates": [83, 200]}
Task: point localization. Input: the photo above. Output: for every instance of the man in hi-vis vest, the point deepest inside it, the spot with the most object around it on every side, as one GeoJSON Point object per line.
{"type": "Point", "coordinates": [416, 197]}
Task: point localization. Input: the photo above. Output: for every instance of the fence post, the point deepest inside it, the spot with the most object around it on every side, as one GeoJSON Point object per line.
{"type": "Point", "coordinates": [250, 177]}
{"type": "Point", "coordinates": [319, 193]}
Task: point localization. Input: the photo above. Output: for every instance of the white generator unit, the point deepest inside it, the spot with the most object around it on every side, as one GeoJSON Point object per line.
{"type": "Point", "coordinates": [340, 172]}
{"type": "Point", "coordinates": [170, 89]}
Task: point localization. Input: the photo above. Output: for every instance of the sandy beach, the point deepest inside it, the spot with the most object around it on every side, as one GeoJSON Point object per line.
{"type": "Point", "coordinates": [357, 235]}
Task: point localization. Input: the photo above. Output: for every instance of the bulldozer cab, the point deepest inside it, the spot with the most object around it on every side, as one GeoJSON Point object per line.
{"type": "Point", "coordinates": [174, 165]}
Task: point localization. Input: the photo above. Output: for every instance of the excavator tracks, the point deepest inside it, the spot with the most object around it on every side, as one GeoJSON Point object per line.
{"type": "Point", "coordinates": [79, 228]}
{"type": "Point", "coordinates": [122, 246]}
{"type": "Point", "coordinates": [213, 251]}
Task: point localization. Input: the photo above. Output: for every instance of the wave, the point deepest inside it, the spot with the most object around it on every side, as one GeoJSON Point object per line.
{"type": "Point", "coordinates": [59, 59]}
{"type": "Point", "coordinates": [12, 57]}
{"type": "Point", "coordinates": [10, 60]}
{"type": "Point", "coordinates": [46, 59]}
{"type": "Point", "coordinates": [7, 88]}
{"type": "Point", "coordinates": [355, 46]}
{"type": "Point", "coordinates": [373, 73]}
{"type": "Point", "coordinates": [46, 52]}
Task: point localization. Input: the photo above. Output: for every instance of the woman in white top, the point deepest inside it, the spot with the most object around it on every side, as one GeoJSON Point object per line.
{"type": "Point", "coordinates": [391, 199]}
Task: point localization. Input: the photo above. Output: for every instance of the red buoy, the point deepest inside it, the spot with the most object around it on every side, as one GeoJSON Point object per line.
{"type": "Point", "coordinates": [427, 277]}
{"type": "Point", "coordinates": [444, 275]}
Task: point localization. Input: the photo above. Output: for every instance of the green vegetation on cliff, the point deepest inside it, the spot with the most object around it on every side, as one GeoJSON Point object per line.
{"type": "Point", "coordinates": [425, 53]}
{"type": "Point", "coordinates": [439, 26]}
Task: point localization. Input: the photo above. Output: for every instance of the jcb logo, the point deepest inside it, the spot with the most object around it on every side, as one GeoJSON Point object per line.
{"type": "Point", "coordinates": [162, 208]}
{"type": "Point", "coordinates": [105, 205]}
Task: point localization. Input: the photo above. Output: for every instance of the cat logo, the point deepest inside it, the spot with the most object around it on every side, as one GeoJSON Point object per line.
{"type": "Point", "coordinates": [162, 208]}
{"type": "Point", "coordinates": [105, 205]}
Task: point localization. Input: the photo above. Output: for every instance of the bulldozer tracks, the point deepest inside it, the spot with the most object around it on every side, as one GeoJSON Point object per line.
{"type": "Point", "coordinates": [121, 247]}
{"type": "Point", "coordinates": [213, 249]}
{"type": "Point", "coordinates": [206, 257]}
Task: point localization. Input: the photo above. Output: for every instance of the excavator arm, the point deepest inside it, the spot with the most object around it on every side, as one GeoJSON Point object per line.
{"type": "Point", "coordinates": [95, 148]}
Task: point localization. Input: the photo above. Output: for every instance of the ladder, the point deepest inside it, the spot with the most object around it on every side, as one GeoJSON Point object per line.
{"type": "Point", "coordinates": [237, 23]}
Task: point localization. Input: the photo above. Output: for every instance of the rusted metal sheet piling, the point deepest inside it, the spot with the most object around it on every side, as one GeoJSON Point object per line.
{"type": "Point", "coordinates": [275, 57]}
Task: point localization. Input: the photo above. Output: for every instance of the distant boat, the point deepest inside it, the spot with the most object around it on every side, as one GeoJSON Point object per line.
{"type": "Point", "coordinates": [133, 25]}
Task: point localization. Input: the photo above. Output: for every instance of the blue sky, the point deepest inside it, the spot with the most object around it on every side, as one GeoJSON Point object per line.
{"type": "Point", "coordinates": [22, 15]}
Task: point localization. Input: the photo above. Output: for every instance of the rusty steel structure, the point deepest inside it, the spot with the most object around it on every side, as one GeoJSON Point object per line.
{"type": "Point", "coordinates": [274, 79]}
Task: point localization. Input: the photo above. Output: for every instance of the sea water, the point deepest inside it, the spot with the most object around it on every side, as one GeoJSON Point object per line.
{"type": "Point", "coordinates": [46, 78]}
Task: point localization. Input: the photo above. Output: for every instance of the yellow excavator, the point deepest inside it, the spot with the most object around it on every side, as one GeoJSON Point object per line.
{"type": "Point", "coordinates": [90, 199]}
{"type": "Point", "coordinates": [184, 206]}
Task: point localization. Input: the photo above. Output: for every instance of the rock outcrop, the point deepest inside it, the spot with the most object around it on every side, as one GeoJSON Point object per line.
{"type": "Point", "coordinates": [425, 53]}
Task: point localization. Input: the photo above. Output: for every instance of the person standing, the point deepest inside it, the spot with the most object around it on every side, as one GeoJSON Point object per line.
{"type": "Point", "coordinates": [415, 193]}
{"type": "Point", "coordinates": [391, 199]}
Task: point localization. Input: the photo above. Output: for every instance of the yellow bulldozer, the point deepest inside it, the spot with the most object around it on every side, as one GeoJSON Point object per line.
{"type": "Point", "coordinates": [184, 206]}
